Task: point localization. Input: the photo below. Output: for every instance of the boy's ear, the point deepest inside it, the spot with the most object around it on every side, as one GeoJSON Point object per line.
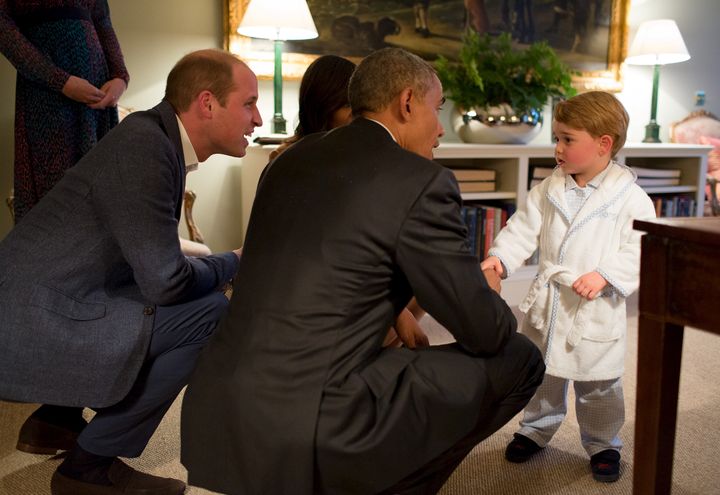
{"type": "Point", "coordinates": [606, 143]}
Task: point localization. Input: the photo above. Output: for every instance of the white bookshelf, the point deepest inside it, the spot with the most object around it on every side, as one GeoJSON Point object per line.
{"type": "Point", "coordinates": [511, 164]}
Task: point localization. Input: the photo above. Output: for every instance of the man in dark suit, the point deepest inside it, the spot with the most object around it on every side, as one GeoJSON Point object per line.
{"type": "Point", "coordinates": [98, 306]}
{"type": "Point", "coordinates": [295, 393]}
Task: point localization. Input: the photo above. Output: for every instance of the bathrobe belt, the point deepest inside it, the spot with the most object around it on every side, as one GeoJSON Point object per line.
{"type": "Point", "coordinates": [560, 275]}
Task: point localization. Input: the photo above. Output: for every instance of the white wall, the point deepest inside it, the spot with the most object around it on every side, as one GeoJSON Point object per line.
{"type": "Point", "coordinates": [154, 35]}
{"type": "Point", "coordinates": [697, 20]}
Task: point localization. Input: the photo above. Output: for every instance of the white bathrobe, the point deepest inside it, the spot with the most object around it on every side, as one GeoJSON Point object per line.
{"type": "Point", "coordinates": [582, 340]}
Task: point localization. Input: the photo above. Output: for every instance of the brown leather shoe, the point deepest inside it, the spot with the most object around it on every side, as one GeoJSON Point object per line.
{"type": "Point", "coordinates": [125, 481]}
{"type": "Point", "coordinates": [40, 437]}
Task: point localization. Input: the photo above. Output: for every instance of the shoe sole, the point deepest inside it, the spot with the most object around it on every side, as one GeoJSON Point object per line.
{"type": "Point", "coordinates": [36, 449]}
{"type": "Point", "coordinates": [518, 456]}
{"type": "Point", "coordinates": [62, 485]}
{"type": "Point", "coordinates": [606, 478]}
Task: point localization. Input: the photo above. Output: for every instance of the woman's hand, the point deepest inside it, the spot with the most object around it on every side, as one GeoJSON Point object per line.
{"type": "Point", "coordinates": [113, 90]}
{"type": "Point", "coordinates": [79, 89]}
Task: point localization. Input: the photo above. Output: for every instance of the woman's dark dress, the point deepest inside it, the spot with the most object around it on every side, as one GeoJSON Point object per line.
{"type": "Point", "coordinates": [48, 41]}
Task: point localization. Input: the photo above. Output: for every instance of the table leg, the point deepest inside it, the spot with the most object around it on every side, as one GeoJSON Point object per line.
{"type": "Point", "coordinates": [658, 379]}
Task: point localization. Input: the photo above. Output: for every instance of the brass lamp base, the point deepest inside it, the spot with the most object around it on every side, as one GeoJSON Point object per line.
{"type": "Point", "coordinates": [652, 133]}
{"type": "Point", "coordinates": [278, 124]}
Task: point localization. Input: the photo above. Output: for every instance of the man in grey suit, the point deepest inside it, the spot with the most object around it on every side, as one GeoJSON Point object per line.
{"type": "Point", "coordinates": [98, 306]}
{"type": "Point", "coordinates": [295, 393]}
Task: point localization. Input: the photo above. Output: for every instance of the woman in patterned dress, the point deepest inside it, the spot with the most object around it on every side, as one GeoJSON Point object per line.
{"type": "Point", "coordinates": [70, 74]}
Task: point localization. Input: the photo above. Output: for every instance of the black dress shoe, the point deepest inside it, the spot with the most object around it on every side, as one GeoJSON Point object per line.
{"type": "Point", "coordinates": [124, 481]}
{"type": "Point", "coordinates": [40, 435]}
{"type": "Point", "coordinates": [521, 448]}
{"type": "Point", "coordinates": [605, 466]}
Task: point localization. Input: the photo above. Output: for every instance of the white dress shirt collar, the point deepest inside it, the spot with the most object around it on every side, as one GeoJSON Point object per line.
{"type": "Point", "coordinates": [384, 127]}
{"type": "Point", "coordinates": [191, 159]}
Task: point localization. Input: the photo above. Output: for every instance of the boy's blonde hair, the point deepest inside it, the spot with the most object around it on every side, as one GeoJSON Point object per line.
{"type": "Point", "coordinates": [596, 112]}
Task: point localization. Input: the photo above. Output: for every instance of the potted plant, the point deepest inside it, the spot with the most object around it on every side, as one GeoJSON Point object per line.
{"type": "Point", "coordinates": [499, 91]}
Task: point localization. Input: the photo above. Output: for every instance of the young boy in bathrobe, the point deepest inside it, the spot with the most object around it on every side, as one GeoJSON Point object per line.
{"type": "Point", "coordinates": [581, 219]}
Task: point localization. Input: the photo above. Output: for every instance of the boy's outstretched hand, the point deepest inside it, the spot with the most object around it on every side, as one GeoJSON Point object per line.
{"type": "Point", "coordinates": [589, 285]}
{"type": "Point", "coordinates": [492, 263]}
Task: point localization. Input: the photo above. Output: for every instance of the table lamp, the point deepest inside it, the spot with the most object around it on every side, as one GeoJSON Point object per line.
{"type": "Point", "coordinates": [278, 20]}
{"type": "Point", "coordinates": [656, 43]}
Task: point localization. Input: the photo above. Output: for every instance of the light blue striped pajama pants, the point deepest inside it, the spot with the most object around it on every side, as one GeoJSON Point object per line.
{"type": "Point", "coordinates": [599, 405]}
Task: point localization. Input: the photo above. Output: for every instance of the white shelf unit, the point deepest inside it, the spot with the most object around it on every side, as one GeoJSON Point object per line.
{"type": "Point", "coordinates": [512, 164]}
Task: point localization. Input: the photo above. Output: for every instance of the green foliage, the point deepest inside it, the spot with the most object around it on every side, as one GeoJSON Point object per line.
{"type": "Point", "coordinates": [491, 72]}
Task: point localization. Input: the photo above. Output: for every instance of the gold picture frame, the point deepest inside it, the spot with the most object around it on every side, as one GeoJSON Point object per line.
{"type": "Point", "coordinates": [259, 53]}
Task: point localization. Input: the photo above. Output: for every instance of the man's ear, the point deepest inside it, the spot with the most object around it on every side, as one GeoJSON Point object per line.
{"type": "Point", "coordinates": [205, 101]}
{"type": "Point", "coordinates": [406, 103]}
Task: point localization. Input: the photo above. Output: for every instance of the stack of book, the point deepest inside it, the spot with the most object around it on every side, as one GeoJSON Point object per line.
{"type": "Point", "coordinates": [483, 224]}
{"type": "Point", "coordinates": [674, 206]}
{"type": "Point", "coordinates": [649, 177]}
{"type": "Point", "coordinates": [473, 180]}
{"type": "Point", "coordinates": [538, 174]}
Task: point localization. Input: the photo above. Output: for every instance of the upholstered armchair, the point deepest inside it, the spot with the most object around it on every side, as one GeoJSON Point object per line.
{"type": "Point", "coordinates": [10, 201]}
{"type": "Point", "coordinates": [195, 246]}
{"type": "Point", "coordinates": [702, 127]}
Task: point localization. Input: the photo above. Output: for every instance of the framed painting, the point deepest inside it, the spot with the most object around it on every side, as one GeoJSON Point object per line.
{"type": "Point", "coordinates": [588, 35]}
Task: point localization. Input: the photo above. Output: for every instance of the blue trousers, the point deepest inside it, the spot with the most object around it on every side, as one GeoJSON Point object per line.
{"type": "Point", "coordinates": [179, 334]}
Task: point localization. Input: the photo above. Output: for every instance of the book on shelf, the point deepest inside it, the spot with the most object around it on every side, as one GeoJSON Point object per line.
{"type": "Point", "coordinates": [541, 171]}
{"type": "Point", "coordinates": [674, 206]}
{"type": "Point", "coordinates": [474, 180]}
{"type": "Point", "coordinates": [658, 181]}
{"type": "Point", "coordinates": [473, 174]}
{"type": "Point", "coordinates": [476, 186]}
{"type": "Point", "coordinates": [656, 172]}
{"type": "Point", "coordinates": [483, 223]}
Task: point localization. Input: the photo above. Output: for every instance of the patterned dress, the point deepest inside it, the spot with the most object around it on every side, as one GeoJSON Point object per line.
{"type": "Point", "coordinates": [48, 41]}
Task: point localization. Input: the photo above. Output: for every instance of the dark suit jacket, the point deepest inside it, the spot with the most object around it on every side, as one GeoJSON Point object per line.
{"type": "Point", "coordinates": [81, 273]}
{"type": "Point", "coordinates": [345, 228]}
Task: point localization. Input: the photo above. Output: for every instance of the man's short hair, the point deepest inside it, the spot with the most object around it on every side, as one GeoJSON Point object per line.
{"type": "Point", "coordinates": [198, 71]}
{"type": "Point", "coordinates": [383, 75]}
{"type": "Point", "coordinates": [596, 112]}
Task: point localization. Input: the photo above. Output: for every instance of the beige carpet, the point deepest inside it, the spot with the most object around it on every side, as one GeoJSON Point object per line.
{"type": "Point", "coordinates": [561, 469]}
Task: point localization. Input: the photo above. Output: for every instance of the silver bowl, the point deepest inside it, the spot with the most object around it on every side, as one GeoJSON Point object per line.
{"type": "Point", "coordinates": [496, 125]}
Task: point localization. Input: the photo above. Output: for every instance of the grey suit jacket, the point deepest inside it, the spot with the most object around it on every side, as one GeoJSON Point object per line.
{"type": "Point", "coordinates": [294, 394]}
{"type": "Point", "coordinates": [80, 275]}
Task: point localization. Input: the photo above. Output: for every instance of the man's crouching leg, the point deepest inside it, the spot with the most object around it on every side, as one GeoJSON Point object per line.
{"type": "Point", "coordinates": [179, 333]}
{"type": "Point", "coordinates": [512, 376]}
